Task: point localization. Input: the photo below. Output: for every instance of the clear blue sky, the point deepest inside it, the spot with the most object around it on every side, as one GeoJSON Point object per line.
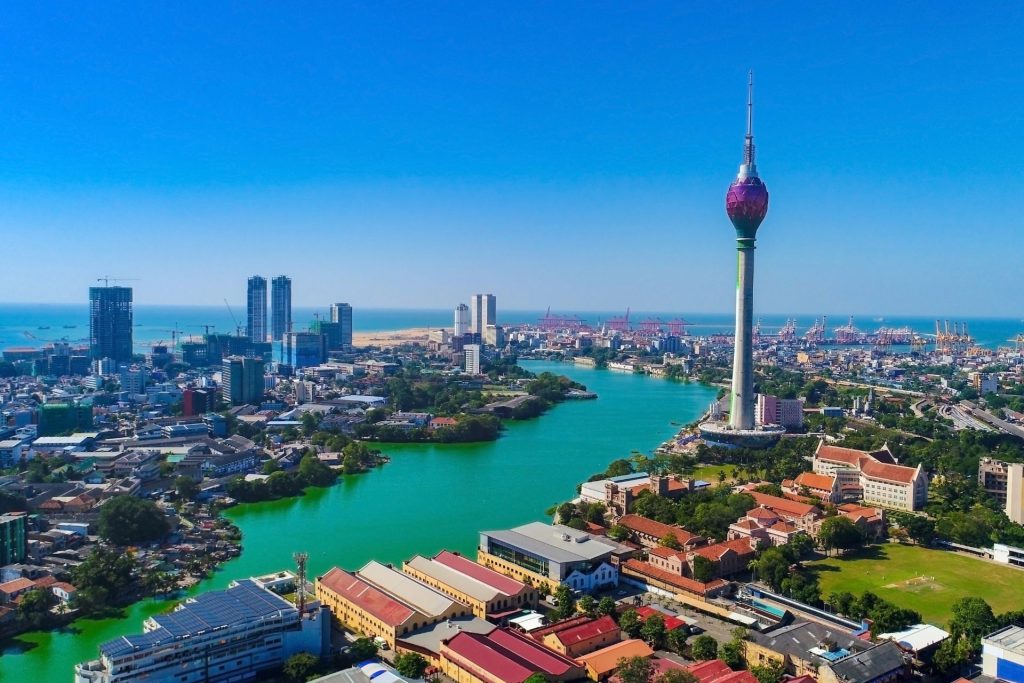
{"type": "Point", "coordinates": [571, 154]}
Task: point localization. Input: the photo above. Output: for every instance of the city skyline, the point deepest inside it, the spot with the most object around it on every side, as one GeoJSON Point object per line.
{"type": "Point", "coordinates": [890, 153]}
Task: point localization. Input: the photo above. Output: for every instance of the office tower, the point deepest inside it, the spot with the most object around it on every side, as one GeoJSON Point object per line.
{"type": "Point", "coordinates": [746, 203]}
{"type": "Point", "coordinates": [342, 314]}
{"type": "Point", "coordinates": [133, 379]}
{"type": "Point", "coordinates": [472, 352]}
{"type": "Point", "coordinates": [13, 535]}
{"type": "Point", "coordinates": [110, 323]}
{"type": "Point", "coordinates": [256, 298]}
{"type": "Point", "coordinates": [332, 333]}
{"type": "Point", "coordinates": [461, 325]}
{"type": "Point", "coordinates": [280, 307]}
{"type": "Point", "coordinates": [494, 335]}
{"type": "Point", "coordinates": [304, 349]}
{"type": "Point", "coordinates": [483, 312]}
{"type": "Point", "coordinates": [242, 380]}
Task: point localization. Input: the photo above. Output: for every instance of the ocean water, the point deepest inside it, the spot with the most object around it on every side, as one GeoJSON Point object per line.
{"type": "Point", "coordinates": [36, 324]}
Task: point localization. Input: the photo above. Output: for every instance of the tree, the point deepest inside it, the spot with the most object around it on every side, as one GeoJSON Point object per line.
{"type": "Point", "coordinates": [362, 649]}
{"type": "Point", "coordinates": [606, 607]}
{"type": "Point", "coordinates": [536, 677]}
{"type": "Point", "coordinates": [971, 618]}
{"type": "Point", "coordinates": [769, 672]}
{"type": "Point", "coordinates": [732, 652]}
{"type": "Point", "coordinates": [588, 605]}
{"type": "Point", "coordinates": [703, 568]}
{"type": "Point", "coordinates": [841, 602]}
{"type": "Point", "coordinates": [635, 670]}
{"type": "Point", "coordinates": [127, 520]}
{"type": "Point", "coordinates": [618, 532]}
{"type": "Point", "coordinates": [102, 578]}
{"type": "Point", "coordinates": [653, 631]}
{"type": "Point", "coordinates": [309, 423]}
{"type": "Point", "coordinates": [772, 567]}
{"type": "Point", "coordinates": [669, 540]}
{"type": "Point", "coordinates": [312, 472]}
{"type": "Point", "coordinates": [676, 641]}
{"type": "Point", "coordinates": [841, 533]}
{"type": "Point", "coordinates": [566, 602]}
{"type": "Point", "coordinates": [629, 621]}
{"type": "Point", "coordinates": [301, 666]}
{"type": "Point", "coordinates": [186, 488]}
{"type": "Point", "coordinates": [34, 607]}
{"type": "Point", "coordinates": [704, 647]}
{"type": "Point", "coordinates": [411, 664]}
{"type": "Point", "coordinates": [677, 676]}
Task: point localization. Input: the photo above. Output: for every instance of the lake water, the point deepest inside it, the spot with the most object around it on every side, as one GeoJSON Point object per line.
{"type": "Point", "coordinates": [427, 498]}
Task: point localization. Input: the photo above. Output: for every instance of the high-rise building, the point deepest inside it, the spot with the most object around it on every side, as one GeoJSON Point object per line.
{"type": "Point", "coordinates": [256, 307]}
{"type": "Point", "coordinates": [304, 349]}
{"type": "Point", "coordinates": [110, 323]}
{"type": "Point", "coordinates": [746, 203]}
{"type": "Point", "coordinates": [133, 379]}
{"type": "Point", "coordinates": [472, 352]}
{"type": "Point", "coordinates": [13, 538]}
{"type": "Point", "coordinates": [483, 312]}
{"type": "Point", "coordinates": [342, 314]}
{"type": "Point", "coordinates": [280, 307]}
{"type": "Point", "coordinates": [461, 325]}
{"type": "Point", "coordinates": [242, 380]}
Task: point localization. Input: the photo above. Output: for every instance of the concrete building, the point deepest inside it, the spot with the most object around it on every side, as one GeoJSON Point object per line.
{"type": "Point", "coordinates": [110, 323]}
{"type": "Point", "coordinates": [582, 638]}
{"type": "Point", "coordinates": [494, 335]}
{"type": "Point", "coordinates": [256, 309]}
{"type": "Point", "coordinates": [552, 555]}
{"type": "Point", "coordinates": [1008, 554]}
{"type": "Point", "coordinates": [133, 379]}
{"type": "Point", "coordinates": [787, 412]}
{"type": "Point", "coordinates": [242, 380]}
{"type": "Point", "coordinates": [280, 307]}
{"type": "Point", "coordinates": [13, 538]}
{"type": "Point", "coordinates": [601, 664]}
{"type": "Point", "coordinates": [487, 592]}
{"type": "Point", "coordinates": [1004, 481]}
{"type": "Point", "coordinates": [483, 311]}
{"type": "Point", "coordinates": [1002, 654]}
{"type": "Point", "coordinates": [304, 349]}
{"type": "Point", "coordinates": [342, 314]}
{"type": "Point", "coordinates": [809, 648]}
{"type": "Point", "coordinates": [462, 321]}
{"type": "Point", "coordinates": [875, 478]}
{"type": "Point", "coordinates": [472, 363]}
{"type": "Point", "coordinates": [216, 637]}
{"type": "Point", "coordinates": [984, 383]}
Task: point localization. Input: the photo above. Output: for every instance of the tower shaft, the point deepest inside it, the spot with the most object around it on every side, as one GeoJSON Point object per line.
{"type": "Point", "coordinates": [741, 411]}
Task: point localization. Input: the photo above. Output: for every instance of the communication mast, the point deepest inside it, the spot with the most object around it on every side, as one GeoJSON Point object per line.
{"type": "Point", "coordinates": [301, 559]}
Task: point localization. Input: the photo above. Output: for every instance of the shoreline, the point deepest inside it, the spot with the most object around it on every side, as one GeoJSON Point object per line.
{"type": "Point", "coordinates": [387, 338]}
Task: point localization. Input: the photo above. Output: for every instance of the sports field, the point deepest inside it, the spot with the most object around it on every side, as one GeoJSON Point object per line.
{"type": "Point", "coordinates": [921, 579]}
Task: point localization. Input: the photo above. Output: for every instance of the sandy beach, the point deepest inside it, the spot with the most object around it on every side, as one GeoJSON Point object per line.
{"type": "Point", "coordinates": [392, 337]}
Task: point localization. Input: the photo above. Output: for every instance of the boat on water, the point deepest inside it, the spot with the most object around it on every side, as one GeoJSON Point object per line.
{"type": "Point", "coordinates": [43, 327]}
{"type": "Point", "coordinates": [70, 327]}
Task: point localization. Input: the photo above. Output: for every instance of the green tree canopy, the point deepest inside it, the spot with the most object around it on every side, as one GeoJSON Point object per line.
{"type": "Point", "coordinates": [704, 647]}
{"type": "Point", "coordinates": [635, 670]}
{"type": "Point", "coordinates": [127, 520]}
{"type": "Point", "coordinates": [301, 666]}
{"type": "Point", "coordinates": [411, 664]}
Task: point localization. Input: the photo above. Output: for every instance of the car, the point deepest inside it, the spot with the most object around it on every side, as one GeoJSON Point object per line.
{"type": "Point", "coordinates": [694, 630]}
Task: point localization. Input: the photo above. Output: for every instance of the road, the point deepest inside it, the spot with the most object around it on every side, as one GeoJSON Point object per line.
{"type": "Point", "coordinates": [984, 416]}
{"type": "Point", "coordinates": [962, 419]}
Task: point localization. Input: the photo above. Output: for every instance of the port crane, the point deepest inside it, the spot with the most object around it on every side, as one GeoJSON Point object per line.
{"type": "Point", "coordinates": [238, 327]}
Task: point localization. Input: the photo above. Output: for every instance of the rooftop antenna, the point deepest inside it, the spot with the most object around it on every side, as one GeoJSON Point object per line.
{"type": "Point", "coordinates": [748, 145]}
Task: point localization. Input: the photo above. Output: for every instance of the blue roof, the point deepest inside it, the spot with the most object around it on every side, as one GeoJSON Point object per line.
{"type": "Point", "coordinates": [245, 601]}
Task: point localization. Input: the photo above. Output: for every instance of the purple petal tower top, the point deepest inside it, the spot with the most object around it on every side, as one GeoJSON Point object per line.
{"type": "Point", "coordinates": [746, 202]}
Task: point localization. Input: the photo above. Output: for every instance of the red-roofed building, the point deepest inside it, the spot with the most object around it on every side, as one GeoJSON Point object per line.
{"type": "Point", "coordinates": [579, 639]}
{"type": "Point", "coordinates": [717, 671]}
{"type": "Point", "coordinates": [659, 667]}
{"type": "Point", "coordinates": [365, 608]}
{"type": "Point", "coordinates": [12, 590]}
{"type": "Point", "coordinates": [873, 477]}
{"type": "Point", "coordinates": [761, 525]}
{"type": "Point", "coordinates": [488, 593]}
{"type": "Point", "coordinates": [822, 486]}
{"type": "Point", "coordinates": [803, 516]}
{"type": "Point", "coordinates": [503, 656]}
{"type": "Point", "coordinates": [670, 581]}
{"type": "Point", "coordinates": [648, 532]}
{"type": "Point", "coordinates": [672, 622]}
{"type": "Point", "coordinates": [729, 557]}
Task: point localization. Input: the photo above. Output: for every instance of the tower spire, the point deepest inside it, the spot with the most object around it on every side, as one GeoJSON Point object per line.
{"type": "Point", "coordinates": [749, 168]}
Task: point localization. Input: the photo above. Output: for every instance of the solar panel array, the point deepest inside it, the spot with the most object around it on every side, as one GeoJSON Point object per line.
{"type": "Point", "coordinates": [244, 602]}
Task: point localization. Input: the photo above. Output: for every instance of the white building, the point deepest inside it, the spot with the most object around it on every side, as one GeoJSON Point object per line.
{"type": "Point", "coordinates": [1002, 654]}
{"type": "Point", "coordinates": [1015, 492]}
{"type": "Point", "coordinates": [215, 637]}
{"type": "Point", "coordinates": [462, 320]}
{"type": "Point", "coordinates": [133, 379]}
{"type": "Point", "coordinates": [472, 352]}
{"type": "Point", "coordinates": [873, 477]}
{"type": "Point", "coordinates": [483, 312]}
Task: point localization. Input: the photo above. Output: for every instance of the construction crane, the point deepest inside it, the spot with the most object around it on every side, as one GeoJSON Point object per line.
{"type": "Point", "coordinates": [238, 328]}
{"type": "Point", "coordinates": [1018, 342]}
{"type": "Point", "coordinates": [107, 279]}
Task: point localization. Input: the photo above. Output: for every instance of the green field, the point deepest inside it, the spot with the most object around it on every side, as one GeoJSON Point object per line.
{"type": "Point", "coordinates": [921, 579]}
{"type": "Point", "coordinates": [709, 473]}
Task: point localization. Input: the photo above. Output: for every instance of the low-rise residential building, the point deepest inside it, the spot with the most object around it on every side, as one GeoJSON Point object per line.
{"type": "Point", "coordinates": [579, 639]}
{"type": "Point", "coordinates": [601, 664]}
{"type": "Point", "coordinates": [487, 592]}
{"type": "Point", "coordinates": [215, 637]}
{"type": "Point", "coordinates": [503, 656]}
{"type": "Point", "coordinates": [803, 516]}
{"type": "Point", "coordinates": [874, 477]}
{"type": "Point", "coordinates": [761, 525]}
{"type": "Point", "coordinates": [541, 554]}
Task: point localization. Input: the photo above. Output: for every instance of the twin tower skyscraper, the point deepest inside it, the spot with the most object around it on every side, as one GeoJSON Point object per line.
{"type": "Point", "coordinates": [281, 311]}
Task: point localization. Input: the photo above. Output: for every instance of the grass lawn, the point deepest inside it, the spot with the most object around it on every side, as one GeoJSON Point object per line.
{"type": "Point", "coordinates": [709, 473]}
{"type": "Point", "coordinates": [928, 581]}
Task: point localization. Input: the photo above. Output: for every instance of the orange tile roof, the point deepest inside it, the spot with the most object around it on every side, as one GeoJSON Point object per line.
{"type": "Point", "coordinates": [897, 473]}
{"type": "Point", "coordinates": [643, 525]}
{"type": "Point", "coordinates": [762, 513]}
{"type": "Point", "coordinates": [783, 506]}
{"type": "Point", "coordinates": [366, 597]}
{"type": "Point", "coordinates": [15, 585]}
{"type": "Point", "coordinates": [590, 629]}
{"type": "Point", "coordinates": [682, 582]}
{"type": "Point", "coordinates": [607, 659]}
{"type": "Point", "coordinates": [662, 551]}
{"type": "Point", "coordinates": [848, 456]}
{"type": "Point", "coordinates": [812, 480]}
{"type": "Point", "coordinates": [740, 546]}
